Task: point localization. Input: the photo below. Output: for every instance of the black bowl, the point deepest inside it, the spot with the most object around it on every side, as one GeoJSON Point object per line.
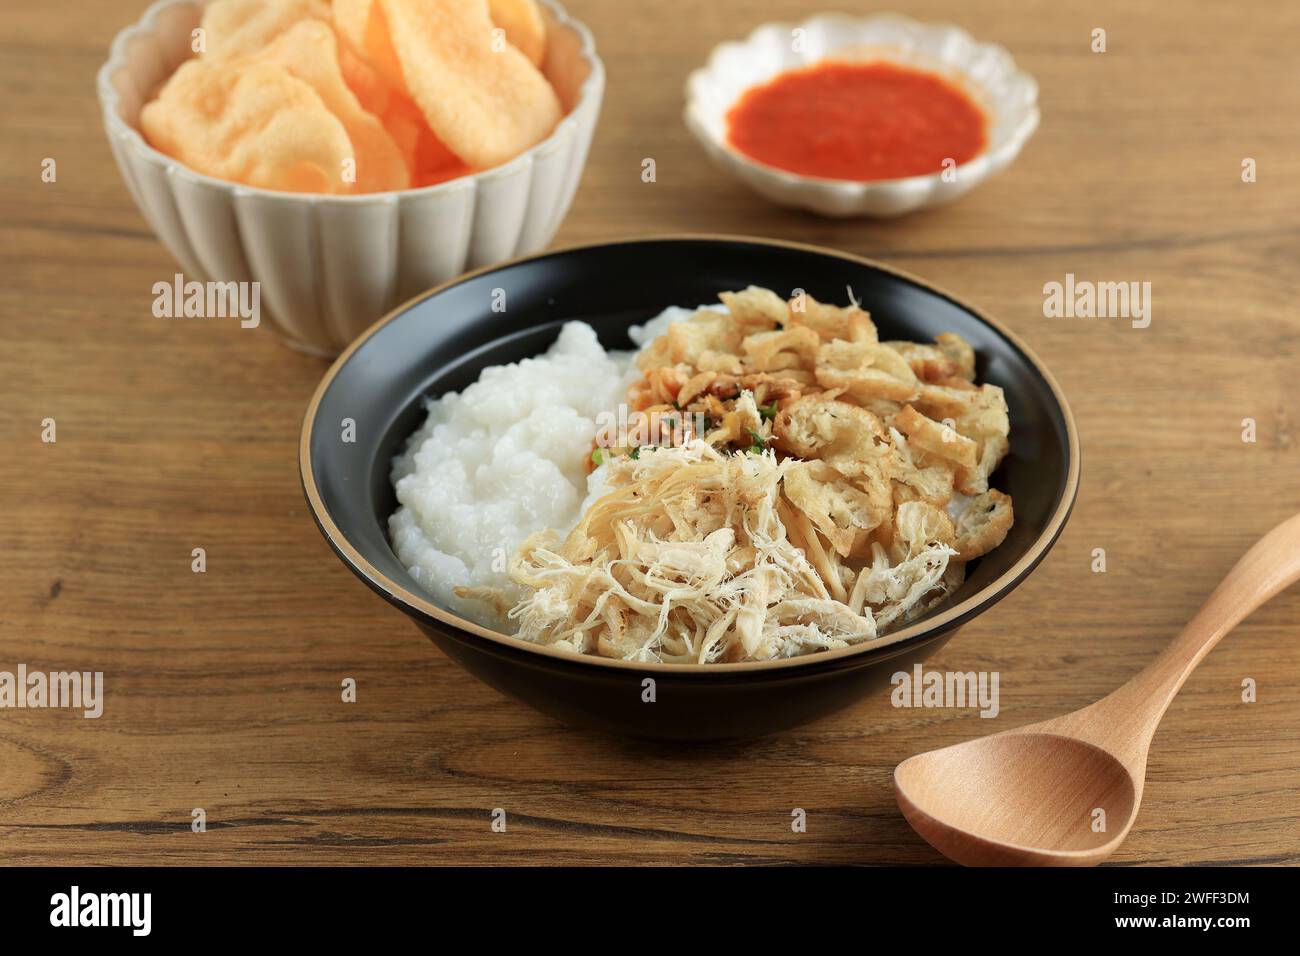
{"type": "Point", "coordinates": [442, 340]}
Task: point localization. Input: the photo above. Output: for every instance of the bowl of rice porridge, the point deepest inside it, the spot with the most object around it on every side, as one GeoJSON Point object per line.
{"type": "Point", "coordinates": [689, 488]}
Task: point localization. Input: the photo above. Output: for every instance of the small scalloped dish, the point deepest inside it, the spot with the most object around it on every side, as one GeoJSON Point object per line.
{"type": "Point", "coordinates": [983, 71]}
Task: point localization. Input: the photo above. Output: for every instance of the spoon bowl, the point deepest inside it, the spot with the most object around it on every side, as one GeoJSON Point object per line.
{"type": "Point", "coordinates": [971, 801]}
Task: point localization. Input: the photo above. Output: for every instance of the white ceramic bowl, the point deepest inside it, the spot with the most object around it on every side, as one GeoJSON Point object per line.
{"type": "Point", "coordinates": [329, 266]}
{"type": "Point", "coordinates": [984, 70]}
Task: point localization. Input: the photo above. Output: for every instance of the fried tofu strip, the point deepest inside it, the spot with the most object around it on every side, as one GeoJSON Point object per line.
{"type": "Point", "coordinates": [936, 438]}
{"type": "Point", "coordinates": [983, 525]}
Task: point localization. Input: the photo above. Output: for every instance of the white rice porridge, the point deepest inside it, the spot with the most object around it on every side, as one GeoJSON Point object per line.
{"type": "Point", "coordinates": [504, 459]}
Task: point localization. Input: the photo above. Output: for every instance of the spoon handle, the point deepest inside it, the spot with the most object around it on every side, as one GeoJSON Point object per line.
{"type": "Point", "coordinates": [1128, 717]}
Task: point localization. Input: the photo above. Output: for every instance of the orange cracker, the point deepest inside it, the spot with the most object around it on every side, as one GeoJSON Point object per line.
{"type": "Point", "coordinates": [249, 122]}
{"type": "Point", "coordinates": [524, 26]}
{"type": "Point", "coordinates": [371, 89]}
{"type": "Point", "coordinates": [239, 27]}
{"type": "Point", "coordinates": [364, 28]}
{"type": "Point", "coordinates": [309, 51]}
{"type": "Point", "coordinates": [487, 105]}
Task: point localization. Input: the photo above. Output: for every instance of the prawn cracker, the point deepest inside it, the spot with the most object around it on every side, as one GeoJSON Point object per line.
{"type": "Point", "coordinates": [249, 122]}
{"type": "Point", "coordinates": [486, 104]}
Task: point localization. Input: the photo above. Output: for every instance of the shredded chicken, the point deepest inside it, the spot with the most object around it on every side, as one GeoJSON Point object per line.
{"type": "Point", "coordinates": [686, 559]}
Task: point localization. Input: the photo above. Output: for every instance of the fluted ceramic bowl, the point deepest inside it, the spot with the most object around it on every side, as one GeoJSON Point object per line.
{"type": "Point", "coordinates": [329, 266]}
{"type": "Point", "coordinates": [1007, 95]}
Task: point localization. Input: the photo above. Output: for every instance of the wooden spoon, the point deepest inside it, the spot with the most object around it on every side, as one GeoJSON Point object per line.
{"type": "Point", "coordinates": [1031, 796]}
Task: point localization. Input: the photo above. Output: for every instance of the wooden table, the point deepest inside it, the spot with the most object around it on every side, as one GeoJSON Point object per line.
{"type": "Point", "coordinates": [223, 688]}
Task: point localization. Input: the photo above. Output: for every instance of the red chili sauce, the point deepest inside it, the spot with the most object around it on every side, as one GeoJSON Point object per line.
{"type": "Point", "coordinates": [859, 121]}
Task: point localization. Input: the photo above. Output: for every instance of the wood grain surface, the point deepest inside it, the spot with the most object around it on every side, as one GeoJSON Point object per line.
{"type": "Point", "coordinates": [222, 688]}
